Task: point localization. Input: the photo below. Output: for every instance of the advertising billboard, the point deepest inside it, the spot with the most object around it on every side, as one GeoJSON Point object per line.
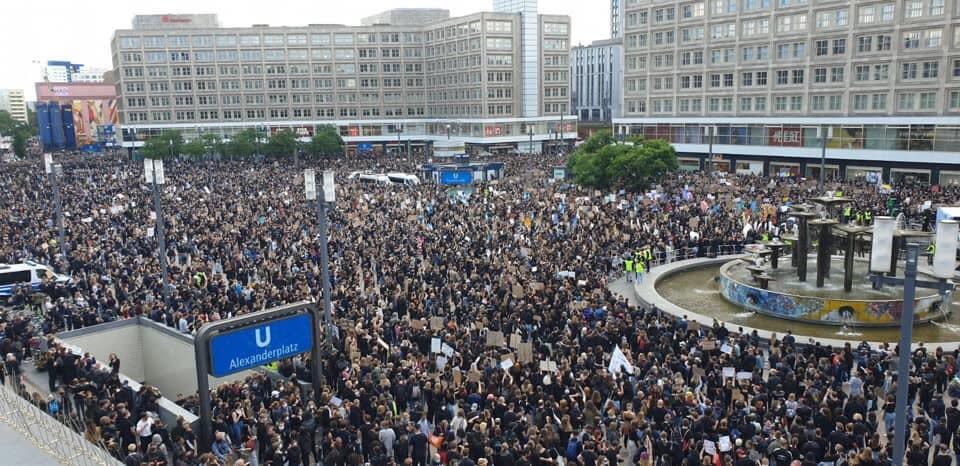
{"type": "Point", "coordinates": [787, 137]}
{"type": "Point", "coordinates": [94, 120]}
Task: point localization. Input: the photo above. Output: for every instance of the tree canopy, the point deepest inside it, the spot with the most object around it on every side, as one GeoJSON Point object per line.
{"type": "Point", "coordinates": [243, 144]}
{"type": "Point", "coordinates": [283, 143]}
{"type": "Point", "coordinates": [18, 130]}
{"type": "Point", "coordinates": [600, 163]}
{"type": "Point", "coordinates": [327, 141]}
{"type": "Point", "coordinates": [167, 144]}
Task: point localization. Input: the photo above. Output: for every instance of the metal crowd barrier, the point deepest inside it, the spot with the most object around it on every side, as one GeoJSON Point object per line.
{"type": "Point", "coordinates": [63, 441]}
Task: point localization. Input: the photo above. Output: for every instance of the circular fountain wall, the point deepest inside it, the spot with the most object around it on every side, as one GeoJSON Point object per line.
{"type": "Point", "coordinates": [789, 298]}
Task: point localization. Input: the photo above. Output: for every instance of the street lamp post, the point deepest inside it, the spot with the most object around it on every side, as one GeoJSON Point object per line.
{"type": "Point", "coordinates": [54, 171]}
{"type": "Point", "coordinates": [399, 144]}
{"type": "Point", "coordinates": [825, 132]}
{"type": "Point", "coordinates": [881, 256]}
{"type": "Point", "coordinates": [153, 173]}
{"type": "Point", "coordinates": [560, 135]}
{"type": "Point", "coordinates": [711, 131]}
{"type": "Point", "coordinates": [530, 133]}
{"type": "Point", "coordinates": [325, 201]}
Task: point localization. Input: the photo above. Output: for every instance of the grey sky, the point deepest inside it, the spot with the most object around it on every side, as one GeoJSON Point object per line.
{"type": "Point", "coordinates": [80, 31]}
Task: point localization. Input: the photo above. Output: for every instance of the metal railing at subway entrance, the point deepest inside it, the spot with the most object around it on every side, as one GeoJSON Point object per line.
{"type": "Point", "coordinates": [61, 436]}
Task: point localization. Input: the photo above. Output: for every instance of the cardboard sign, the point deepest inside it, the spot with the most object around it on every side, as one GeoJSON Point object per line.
{"type": "Point", "coordinates": [693, 326]}
{"type": "Point", "coordinates": [495, 338]}
{"type": "Point", "coordinates": [536, 286]}
{"type": "Point", "coordinates": [473, 376]}
{"type": "Point", "coordinates": [737, 395]}
{"type": "Point", "coordinates": [699, 372]}
{"type": "Point", "coordinates": [709, 345]}
{"type": "Point", "coordinates": [435, 345]}
{"type": "Point", "coordinates": [436, 323]}
{"type": "Point", "coordinates": [726, 349]}
{"type": "Point", "coordinates": [447, 350]}
{"type": "Point", "coordinates": [417, 324]}
{"type": "Point", "coordinates": [517, 291]}
{"type": "Point", "coordinates": [709, 447]}
{"type": "Point", "coordinates": [515, 341]}
{"type": "Point", "coordinates": [457, 378]}
{"type": "Point", "coordinates": [729, 372]}
{"type": "Point", "coordinates": [744, 375]}
{"type": "Point", "coordinates": [525, 353]}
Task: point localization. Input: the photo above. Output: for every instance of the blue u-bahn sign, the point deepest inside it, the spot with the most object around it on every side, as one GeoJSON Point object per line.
{"type": "Point", "coordinates": [260, 344]}
{"type": "Point", "coordinates": [455, 177]}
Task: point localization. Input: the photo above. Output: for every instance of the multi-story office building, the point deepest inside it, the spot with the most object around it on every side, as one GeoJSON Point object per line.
{"type": "Point", "coordinates": [12, 101]}
{"type": "Point", "coordinates": [763, 76]}
{"type": "Point", "coordinates": [596, 75]}
{"type": "Point", "coordinates": [405, 80]}
{"type": "Point", "coordinates": [616, 19]}
{"type": "Point", "coordinates": [59, 71]}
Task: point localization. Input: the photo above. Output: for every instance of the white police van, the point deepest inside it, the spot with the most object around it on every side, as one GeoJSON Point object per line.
{"type": "Point", "coordinates": [26, 273]}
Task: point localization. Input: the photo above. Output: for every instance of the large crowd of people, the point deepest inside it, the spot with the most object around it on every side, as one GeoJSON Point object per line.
{"type": "Point", "coordinates": [510, 280]}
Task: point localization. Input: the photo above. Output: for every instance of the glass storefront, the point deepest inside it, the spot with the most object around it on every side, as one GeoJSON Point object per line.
{"type": "Point", "coordinates": [870, 137]}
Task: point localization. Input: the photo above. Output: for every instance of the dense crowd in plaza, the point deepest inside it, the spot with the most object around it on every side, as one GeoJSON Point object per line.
{"type": "Point", "coordinates": [523, 256]}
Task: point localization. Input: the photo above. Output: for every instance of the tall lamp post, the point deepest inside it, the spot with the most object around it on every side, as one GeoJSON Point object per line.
{"type": "Point", "coordinates": [881, 256]}
{"type": "Point", "coordinates": [324, 202]}
{"type": "Point", "coordinates": [710, 131]}
{"type": "Point", "coordinates": [530, 133]}
{"type": "Point", "coordinates": [54, 172]}
{"type": "Point", "coordinates": [824, 133]}
{"type": "Point", "coordinates": [153, 173]}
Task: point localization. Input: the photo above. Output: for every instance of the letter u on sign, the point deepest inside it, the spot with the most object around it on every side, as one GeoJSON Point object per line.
{"type": "Point", "coordinates": [263, 343]}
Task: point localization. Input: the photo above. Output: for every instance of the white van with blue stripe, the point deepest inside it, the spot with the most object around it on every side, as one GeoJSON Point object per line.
{"type": "Point", "coordinates": [26, 273]}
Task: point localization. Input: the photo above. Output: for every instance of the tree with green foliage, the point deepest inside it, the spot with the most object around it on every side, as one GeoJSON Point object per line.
{"type": "Point", "coordinates": [167, 144]}
{"type": "Point", "coordinates": [283, 143]}
{"type": "Point", "coordinates": [212, 143]}
{"type": "Point", "coordinates": [600, 163]}
{"type": "Point", "coordinates": [194, 149]}
{"type": "Point", "coordinates": [327, 141]}
{"type": "Point", "coordinates": [18, 131]}
{"type": "Point", "coordinates": [20, 143]}
{"type": "Point", "coordinates": [242, 144]}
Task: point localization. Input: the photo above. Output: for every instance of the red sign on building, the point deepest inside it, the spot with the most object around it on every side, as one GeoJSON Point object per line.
{"type": "Point", "coordinates": [789, 137]}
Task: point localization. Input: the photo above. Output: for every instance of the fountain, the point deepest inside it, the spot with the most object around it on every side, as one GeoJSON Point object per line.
{"type": "Point", "coordinates": [763, 287]}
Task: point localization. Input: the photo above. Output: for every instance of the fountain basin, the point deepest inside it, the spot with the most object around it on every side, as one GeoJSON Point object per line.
{"type": "Point", "coordinates": [788, 298]}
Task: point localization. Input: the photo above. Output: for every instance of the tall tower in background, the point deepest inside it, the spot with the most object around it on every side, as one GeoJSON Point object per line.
{"type": "Point", "coordinates": [529, 51]}
{"type": "Point", "coordinates": [616, 19]}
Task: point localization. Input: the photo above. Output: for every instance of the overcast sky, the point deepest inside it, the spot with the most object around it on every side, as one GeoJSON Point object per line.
{"type": "Point", "coordinates": [79, 31]}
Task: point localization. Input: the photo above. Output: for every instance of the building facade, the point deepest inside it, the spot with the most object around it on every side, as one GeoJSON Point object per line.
{"type": "Point", "coordinates": [13, 101]}
{"type": "Point", "coordinates": [758, 79]}
{"type": "Point", "coordinates": [60, 71]}
{"type": "Point", "coordinates": [616, 19]}
{"type": "Point", "coordinates": [447, 85]}
{"type": "Point", "coordinates": [596, 74]}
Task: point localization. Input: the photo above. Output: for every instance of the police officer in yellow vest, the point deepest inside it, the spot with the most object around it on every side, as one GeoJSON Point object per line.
{"type": "Point", "coordinates": [628, 267]}
{"type": "Point", "coordinates": [847, 214]}
{"type": "Point", "coordinates": [867, 217]}
{"type": "Point", "coordinates": [931, 250]}
{"type": "Point", "coordinates": [860, 218]}
{"type": "Point", "coordinates": [765, 237]}
{"type": "Point", "coordinates": [640, 270]}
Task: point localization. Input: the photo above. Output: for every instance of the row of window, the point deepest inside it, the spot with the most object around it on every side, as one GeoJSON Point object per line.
{"type": "Point", "coordinates": [918, 101]}
{"type": "Point", "coordinates": [346, 38]}
{"type": "Point", "coordinates": [758, 54]}
{"type": "Point", "coordinates": [868, 14]}
{"type": "Point", "coordinates": [274, 113]}
{"type": "Point", "coordinates": [910, 40]}
{"type": "Point", "coordinates": [819, 75]}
